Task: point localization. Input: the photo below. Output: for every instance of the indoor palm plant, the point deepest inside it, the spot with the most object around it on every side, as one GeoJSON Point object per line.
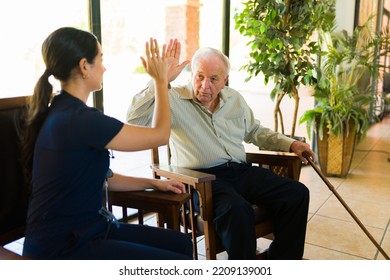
{"type": "Point", "coordinates": [282, 45]}
{"type": "Point", "coordinates": [348, 67]}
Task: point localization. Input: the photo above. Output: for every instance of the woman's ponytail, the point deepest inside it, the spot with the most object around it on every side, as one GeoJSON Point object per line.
{"type": "Point", "coordinates": [62, 51]}
{"type": "Point", "coordinates": [37, 110]}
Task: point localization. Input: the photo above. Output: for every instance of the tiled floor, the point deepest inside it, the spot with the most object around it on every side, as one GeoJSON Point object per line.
{"type": "Point", "coordinates": [332, 234]}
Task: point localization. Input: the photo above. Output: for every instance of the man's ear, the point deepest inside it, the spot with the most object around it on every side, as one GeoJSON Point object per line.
{"type": "Point", "coordinates": [226, 79]}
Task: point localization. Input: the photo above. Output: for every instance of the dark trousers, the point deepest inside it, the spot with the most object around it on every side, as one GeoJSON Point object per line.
{"type": "Point", "coordinates": [98, 241]}
{"type": "Point", "coordinates": [236, 187]}
{"type": "Point", "coordinates": [138, 242]}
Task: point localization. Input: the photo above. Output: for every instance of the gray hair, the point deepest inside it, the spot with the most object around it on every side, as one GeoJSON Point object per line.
{"type": "Point", "coordinates": [207, 52]}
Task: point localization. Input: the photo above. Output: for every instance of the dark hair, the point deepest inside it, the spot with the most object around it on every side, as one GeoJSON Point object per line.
{"type": "Point", "coordinates": [61, 51]}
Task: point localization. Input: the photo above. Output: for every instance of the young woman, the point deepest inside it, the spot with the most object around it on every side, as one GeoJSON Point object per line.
{"type": "Point", "coordinates": [66, 151]}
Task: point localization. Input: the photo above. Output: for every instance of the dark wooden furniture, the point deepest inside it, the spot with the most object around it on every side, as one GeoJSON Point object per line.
{"type": "Point", "coordinates": [166, 204]}
{"type": "Point", "coordinates": [14, 191]}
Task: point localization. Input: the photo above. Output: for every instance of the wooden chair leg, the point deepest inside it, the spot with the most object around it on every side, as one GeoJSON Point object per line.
{"type": "Point", "coordinates": [183, 217]}
{"type": "Point", "coordinates": [192, 221]}
{"type": "Point", "coordinates": [124, 214]}
{"type": "Point", "coordinates": [140, 216]}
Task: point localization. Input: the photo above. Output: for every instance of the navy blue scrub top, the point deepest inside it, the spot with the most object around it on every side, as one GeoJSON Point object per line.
{"type": "Point", "coordinates": [69, 168]}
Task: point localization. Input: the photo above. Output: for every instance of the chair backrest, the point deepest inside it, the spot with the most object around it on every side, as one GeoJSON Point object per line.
{"type": "Point", "coordinates": [161, 155]}
{"type": "Point", "coordinates": [284, 164]}
{"type": "Point", "coordinates": [13, 189]}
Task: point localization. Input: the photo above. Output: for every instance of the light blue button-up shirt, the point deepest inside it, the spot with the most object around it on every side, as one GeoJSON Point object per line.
{"type": "Point", "coordinates": [201, 139]}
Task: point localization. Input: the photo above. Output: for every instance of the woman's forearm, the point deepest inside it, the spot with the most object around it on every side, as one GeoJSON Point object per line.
{"type": "Point", "coordinates": [162, 110]}
{"type": "Point", "coordinates": [120, 182]}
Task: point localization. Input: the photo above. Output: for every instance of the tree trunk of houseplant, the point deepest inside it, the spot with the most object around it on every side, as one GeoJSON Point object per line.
{"type": "Point", "coordinates": [335, 152]}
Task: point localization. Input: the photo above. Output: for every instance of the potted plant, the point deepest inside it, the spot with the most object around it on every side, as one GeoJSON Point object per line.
{"type": "Point", "coordinates": [281, 44]}
{"type": "Point", "coordinates": [341, 115]}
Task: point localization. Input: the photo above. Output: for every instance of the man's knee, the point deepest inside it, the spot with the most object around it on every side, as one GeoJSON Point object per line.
{"type": "Point", "coordinates": [301, 193]}
{"type": "Point", "coordinates": [304, 191]}
{"type": "Point", "coordinates": [298, 188]}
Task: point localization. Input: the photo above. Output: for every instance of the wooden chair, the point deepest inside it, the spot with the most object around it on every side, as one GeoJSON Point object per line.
{"type": "Point", "coordinates": [14, 191]}
{"type": "Point", "coordinates": [282, 163]}
{"type": "Point", "coordinates": [167, 205]}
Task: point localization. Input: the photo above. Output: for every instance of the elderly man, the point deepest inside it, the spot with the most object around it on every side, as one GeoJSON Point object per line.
{"type": "Point", "coordinates": [210, 122]}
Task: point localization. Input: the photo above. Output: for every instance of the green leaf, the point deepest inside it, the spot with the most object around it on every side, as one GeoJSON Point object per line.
{"type": "Point", "coordinates": [280, 44]}
{"type": "Point", "coordinates": [263, 28]}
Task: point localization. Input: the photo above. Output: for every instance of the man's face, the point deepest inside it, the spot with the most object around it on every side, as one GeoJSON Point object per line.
{"type": "Point", "coordinates": [208, 79]}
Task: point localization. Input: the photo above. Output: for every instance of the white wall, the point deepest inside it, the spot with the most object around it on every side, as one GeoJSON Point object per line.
{"type": "Point", "coordinates": [345, 14]}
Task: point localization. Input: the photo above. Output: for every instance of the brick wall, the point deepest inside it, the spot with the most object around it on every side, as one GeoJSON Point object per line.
{"type": "Point", "coordinates": [182, 22]}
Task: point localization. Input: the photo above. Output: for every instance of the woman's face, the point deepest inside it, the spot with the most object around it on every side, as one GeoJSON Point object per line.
{"type": "Point", "coordinates": [97, 70]}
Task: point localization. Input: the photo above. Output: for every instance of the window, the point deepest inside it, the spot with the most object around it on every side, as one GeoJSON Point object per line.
{"type": "Point", "coordinates": [126, 27]}
{"type": "Point", "coordinates": [196, 23]}
{"type": "Point", "coordinates": [24, 26]}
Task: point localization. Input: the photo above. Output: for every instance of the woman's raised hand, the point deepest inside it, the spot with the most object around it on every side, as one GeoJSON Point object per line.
{"type": "Point", "coordinates": [155, 62]}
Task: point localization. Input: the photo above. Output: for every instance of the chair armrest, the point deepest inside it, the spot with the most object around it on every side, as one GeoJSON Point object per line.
{"type": "Point", "coordinates": [184, 175]}
{"type": "Point", "coordinates": [200, 181]}
{"type": "Point", "coordinates": [271, 157]}
{"type": "Point", "coordinates": [283, 163]}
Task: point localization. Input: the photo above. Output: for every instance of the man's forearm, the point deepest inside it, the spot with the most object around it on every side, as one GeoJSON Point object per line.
{"type": "Point", "coordinates": [140, 112]}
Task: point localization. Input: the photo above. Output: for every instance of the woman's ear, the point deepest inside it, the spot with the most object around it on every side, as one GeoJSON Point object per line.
{"type": "Point", "coordinates": [83, 67]}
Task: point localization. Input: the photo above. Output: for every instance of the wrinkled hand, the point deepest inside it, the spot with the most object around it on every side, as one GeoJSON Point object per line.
{"type": "Point", "coordinates": [155, 63]}
{"type": "Point", "coordinates": [169, 185]}
{"type": "Point", "coordinates": [173, 56]}
{"type": "Point", "coordinates": [299, 147]}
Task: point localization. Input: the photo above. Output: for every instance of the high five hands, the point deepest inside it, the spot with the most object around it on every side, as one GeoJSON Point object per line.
{"type": "Point", "coordinates": [155, 63]}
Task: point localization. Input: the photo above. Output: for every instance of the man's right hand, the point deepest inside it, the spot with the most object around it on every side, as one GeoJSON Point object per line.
{"type": "Point", "coordinates": [172, 56]}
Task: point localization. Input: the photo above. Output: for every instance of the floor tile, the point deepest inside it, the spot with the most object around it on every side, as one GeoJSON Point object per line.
{"type": "Point", "coordinates": [317, 200]}
{"type": "Point", "coordinates": [313, 252]}
{"type": "Point", "coordinates": [341, 236]}
{"type": "Point", "coordinates": [367, 189]}
{"type": "Point", "coordinates": [385, 245]}
{"type": "Point", "coordinates": [370, 213]}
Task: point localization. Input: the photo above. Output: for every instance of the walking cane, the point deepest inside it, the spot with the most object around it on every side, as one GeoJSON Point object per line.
{"type": "Point", "coordinates": [306, 155]}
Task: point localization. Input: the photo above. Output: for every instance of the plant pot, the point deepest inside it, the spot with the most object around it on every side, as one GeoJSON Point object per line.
{"type": "Point", "coordinates": [335, 152]}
